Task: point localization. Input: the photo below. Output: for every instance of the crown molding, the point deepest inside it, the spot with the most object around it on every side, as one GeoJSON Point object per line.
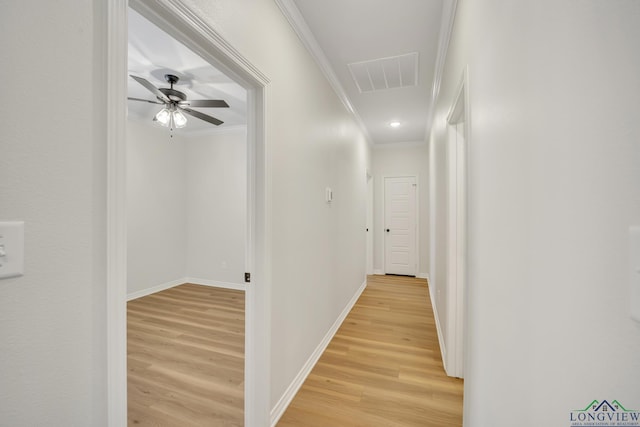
{"type": "Point", "coordinates": [446, 27]}
{"type": "Point", "coordinates": [168, 14]}
{"type": "Point", "coordinates": [299, 25]}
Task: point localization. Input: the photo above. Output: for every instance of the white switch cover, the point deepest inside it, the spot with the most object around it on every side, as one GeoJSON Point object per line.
{"type": "Point", "coordinates": [11, 249]}
{"type": "Point", "coordinates": [634, 265]}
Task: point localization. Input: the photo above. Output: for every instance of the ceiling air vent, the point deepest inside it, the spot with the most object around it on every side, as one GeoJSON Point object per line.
{"type": "Point", "coordinates": [385, 73]}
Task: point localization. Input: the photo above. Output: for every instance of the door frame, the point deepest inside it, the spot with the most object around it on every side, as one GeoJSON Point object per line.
{"type": "Point", "coordinates": [370, 222]}
{"type": "Point", "coordinates": [457, 229]}
{"type": "Point", "coordinates": [384, 221]}
{"type": "Point", "coordinates": [184, 25]}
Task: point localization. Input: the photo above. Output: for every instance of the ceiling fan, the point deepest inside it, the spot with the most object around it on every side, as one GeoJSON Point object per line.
{"type": "Point", "coordinates": [175, 103]}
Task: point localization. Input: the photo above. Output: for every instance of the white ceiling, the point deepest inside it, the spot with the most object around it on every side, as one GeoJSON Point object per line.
{"type": "Point", "coordinates": [153, 53]}
{"type": "Point", "coordinates": [350, 31]}
{"type": "Point", "coordinates": [338, 33]}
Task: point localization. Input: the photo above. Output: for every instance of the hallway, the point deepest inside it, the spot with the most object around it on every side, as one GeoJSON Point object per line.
{"type": "Point", "coordinates": [383, 366]}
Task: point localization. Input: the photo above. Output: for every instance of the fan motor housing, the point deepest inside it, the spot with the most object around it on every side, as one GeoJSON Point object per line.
{"type": "Point", "coordinates": [174, 95]}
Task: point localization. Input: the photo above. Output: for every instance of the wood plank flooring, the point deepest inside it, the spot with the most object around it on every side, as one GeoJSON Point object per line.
{"type": "Point", "coordinates": [186, 357]}
{"type": "Point", "coordinates": [383, 366]}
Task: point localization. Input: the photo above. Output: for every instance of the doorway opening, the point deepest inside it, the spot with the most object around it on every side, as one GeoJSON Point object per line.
{"type": "Point", "coordinates": [179, 22]}
{"type": "Point", "coordinates": [186, 248]}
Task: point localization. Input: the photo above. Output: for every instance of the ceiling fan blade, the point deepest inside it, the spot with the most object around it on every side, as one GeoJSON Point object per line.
{"type": "Point", "coordinates": [145, 100]}
{"type": "Point", "coordinates": [206, 103]}
{"type": "Point", "coordinates": [201, 116]}
{"type": "Point", "coordinates": [151, 88]}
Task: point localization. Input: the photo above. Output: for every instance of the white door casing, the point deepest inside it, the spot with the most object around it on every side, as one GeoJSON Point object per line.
{"type": "Point", "coordinates": [457, 282]}
{"type": "Point", "coordinates": [185, 26]}
{"type": "Point", "coordinates": [400, 225]}
{"type": "Point", "coordinates": [456, 242]}
{"type": "Point", "coordinates": [369, 229]}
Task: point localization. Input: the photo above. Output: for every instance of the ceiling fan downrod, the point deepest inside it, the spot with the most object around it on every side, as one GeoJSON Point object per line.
{"type": "Point", "coordinates": [171, 79]}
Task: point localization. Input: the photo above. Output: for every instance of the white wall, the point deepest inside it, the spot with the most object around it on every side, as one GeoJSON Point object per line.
{"type": "Point", "coordinates": [156, 206]}
{"type": "Point", "coordinates": [554, 172]}
{"type": "Point", "coordinates": [408, 160]}
{"type": "Point", "coordinates": [318, 250]}
{"type": "Point", "coordinates": [52, 176]}
{"type": "Point", "coordinates": [186, 207]}
{"type": "Point", "coordinates": [216, 187]}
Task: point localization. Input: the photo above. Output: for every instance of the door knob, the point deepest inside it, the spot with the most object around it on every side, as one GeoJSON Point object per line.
{"type": "Point", "coordinates": [387, 230]}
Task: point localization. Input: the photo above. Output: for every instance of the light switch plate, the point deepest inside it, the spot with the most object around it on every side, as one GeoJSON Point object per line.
{"type": "Point", "coordinates": [11, 249]}
{"type": "Point", "coordinates": [634, 271]}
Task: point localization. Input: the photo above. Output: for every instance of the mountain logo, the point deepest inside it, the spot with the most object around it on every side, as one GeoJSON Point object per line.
{"type": "Point", "coordinates": [605, 413]}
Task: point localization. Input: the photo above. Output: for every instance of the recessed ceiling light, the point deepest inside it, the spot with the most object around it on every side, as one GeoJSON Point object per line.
{"type": "Point", "coordinates": [394, 124]}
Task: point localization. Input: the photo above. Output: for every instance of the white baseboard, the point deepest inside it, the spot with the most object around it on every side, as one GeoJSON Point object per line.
{"type": "Point", "coordinates": [154, 289]}
{"type": "Point", "coordinates": [443, 349]}
{"type": "Point", "coordinates": [215, 283]}
{"type": "Point", "coordinates": [295, 385]}
{"type": "Point", "coordinates": [378, 272]}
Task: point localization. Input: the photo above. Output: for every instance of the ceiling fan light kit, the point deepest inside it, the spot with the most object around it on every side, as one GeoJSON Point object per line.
{"type": "Point", "coordinates": [175, 104]}
{"type": "Point", "coordinates": [171, 118]}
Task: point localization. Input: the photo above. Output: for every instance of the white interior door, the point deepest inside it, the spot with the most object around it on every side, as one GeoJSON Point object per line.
{"type": "Point", "coordinates": [400, 225]}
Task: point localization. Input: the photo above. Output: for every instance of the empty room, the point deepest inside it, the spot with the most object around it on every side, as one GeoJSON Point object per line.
{"type": "Point", "coordinates": [186, 220]}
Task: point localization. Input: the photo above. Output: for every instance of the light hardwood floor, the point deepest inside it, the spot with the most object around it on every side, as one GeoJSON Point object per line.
{"type": "Point", "coordinates": [186, 357]}
{"type": "Point", "coordinates": [383, 367]}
